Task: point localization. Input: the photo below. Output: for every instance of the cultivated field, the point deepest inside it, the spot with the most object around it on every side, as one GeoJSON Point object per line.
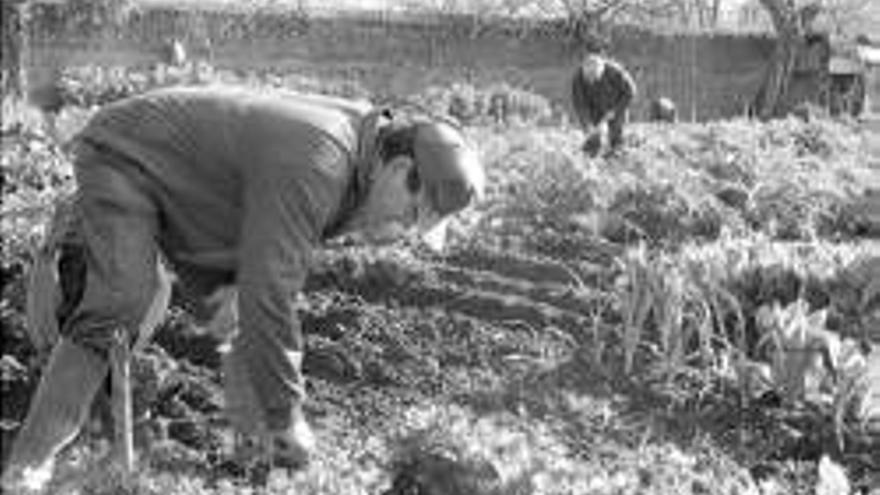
{"type": "Point", "coordinates": [700, 315]}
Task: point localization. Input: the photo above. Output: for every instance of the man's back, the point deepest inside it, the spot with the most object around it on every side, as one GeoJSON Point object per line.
{"type": "Point", "coordinates": [592, 99]}
{"type": "Point", "coordinates": [196, 149]}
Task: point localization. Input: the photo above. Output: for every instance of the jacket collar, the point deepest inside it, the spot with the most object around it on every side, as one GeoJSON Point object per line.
{"type": "Point", "coordinates": [364, 161]}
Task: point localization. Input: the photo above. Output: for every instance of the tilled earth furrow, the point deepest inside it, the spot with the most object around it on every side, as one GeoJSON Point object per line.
{"type": "Point", "coordinates": [501, 304]}
{"type": "Point", "coordinates": [537, 270]}
{"type": "Point", "coordinates": [535, 291]}
{"type": "Point", "coordinates": [571, 297]}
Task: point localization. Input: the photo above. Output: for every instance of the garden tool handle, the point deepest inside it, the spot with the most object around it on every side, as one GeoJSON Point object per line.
{"type": "Point", "coordinates": [120, 366]}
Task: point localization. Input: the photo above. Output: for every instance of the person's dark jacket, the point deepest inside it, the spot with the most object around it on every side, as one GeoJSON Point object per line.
{"type": "Point", "coordinates": [610, 94]}
{"type": "Point", "coordinates": [245, 182]}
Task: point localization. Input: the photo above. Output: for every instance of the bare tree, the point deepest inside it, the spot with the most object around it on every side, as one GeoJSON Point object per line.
{"type": "Point", "coordinates": [16, 46]}
{"type": "Point", "coordinates": [587, 21]}
{"type": "Point", "coordinates": [583, 18]}
{"type": "Point", "coordinates": [698, 13]}
{"type": "Point", "coordinates": [792, 20]}
{"type": "Point", "coordinates": [789, 23]}
{"type": "Point", "coordinates": [39, 84]}
{"type": "Point", "coordinates": [841, 15]}
{"type": "Point", "coordinates": [716, 11]}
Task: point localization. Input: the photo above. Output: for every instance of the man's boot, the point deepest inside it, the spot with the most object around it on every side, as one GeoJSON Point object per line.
{"type": "Point", "coordinates": [58, 410]}
{"type": "Point", "coordinates": [292, 448]}
{"type": "Point", "coordinates": [289, 447]}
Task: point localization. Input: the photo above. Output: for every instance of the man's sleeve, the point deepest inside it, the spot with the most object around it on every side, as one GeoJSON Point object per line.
{"type": "Point", "coordinates": [277, 236]}
{"type": "Point", "coordinates": [286, 208]}
{"type": "Point", "coordinates": [626, 86]}
{"type": "Point", "coordinates": [580, 100]}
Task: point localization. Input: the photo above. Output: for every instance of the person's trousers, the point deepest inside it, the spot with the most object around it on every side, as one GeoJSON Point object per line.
{"type": "Point", "coordinates": [117, 224]}
{"type": "Point", "coordinates": [615, 129]}
{"type": "Point", "coordinates": [119, 230]}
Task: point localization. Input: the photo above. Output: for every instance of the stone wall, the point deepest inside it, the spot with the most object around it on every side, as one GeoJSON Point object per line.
{"type": "Point", "coordinates": [708, 76]}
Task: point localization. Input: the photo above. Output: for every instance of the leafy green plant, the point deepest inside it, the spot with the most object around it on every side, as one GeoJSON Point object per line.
{"type": "Point", "coordinates": [809, 363]}
{"type": "Point", "coordinates": [37, 173]}
{"type": "Point", "coordinates": [802, 352]}
{"type": "Point", "coordinates": [675, 310]}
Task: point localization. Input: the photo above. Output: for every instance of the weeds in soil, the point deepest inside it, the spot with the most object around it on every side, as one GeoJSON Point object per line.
{"type": "Point", "coordinates": [680, 320]}
{"type": "Point", "coordinates": [698, 298]}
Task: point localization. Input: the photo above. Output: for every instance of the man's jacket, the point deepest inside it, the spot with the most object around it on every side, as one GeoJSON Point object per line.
{"type": "Point", "coordinates": [612, 92]}
{"type": "Point", "coordinates": [245, 181]}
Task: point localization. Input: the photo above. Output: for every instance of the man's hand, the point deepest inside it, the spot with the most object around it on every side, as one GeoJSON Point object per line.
{"type": "Point", "coordinates": [595, 138]}
{"type": "Point", "coordinates": [593, 143]}
{"type": "Point", "coordinates": [223, 305]}
{"type": "Point", "coordinates": [603, 122]}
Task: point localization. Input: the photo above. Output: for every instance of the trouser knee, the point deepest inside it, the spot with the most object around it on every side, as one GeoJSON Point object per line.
{"type": "Point", "coordinates": [99, 327]}
{"type": "Point", "coordinates": [615, 136]}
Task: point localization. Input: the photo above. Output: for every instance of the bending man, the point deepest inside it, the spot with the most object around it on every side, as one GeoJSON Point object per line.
{"type": "Point", "coordinates": [602, 90]}
{"type": "Point", "coordinates": [233, 186]}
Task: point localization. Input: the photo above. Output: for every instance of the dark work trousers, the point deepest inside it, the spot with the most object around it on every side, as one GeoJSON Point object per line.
{"type": "Point", "coordinates": [615, 129]}
{"type": "Point", "coordinates": [118, 225]}
{"type": "Point", "coordinates": [120, 230]}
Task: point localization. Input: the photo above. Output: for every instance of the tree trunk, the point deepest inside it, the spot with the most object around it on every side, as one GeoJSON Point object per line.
{"type": "Point", "coordinates": [716, 12]}
{"type": "Point", "coordinates": [789, 32]}
{"type": "Point", "coordinates": [16, 47]}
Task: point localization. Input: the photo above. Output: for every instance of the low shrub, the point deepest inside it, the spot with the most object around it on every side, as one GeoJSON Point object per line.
{"type": "Point", "coordinates": [493, 104]}
{"type": "Point", "coordinates": [661, 214]}
{"type": "Point", "coordinates": [91, 85]}
{"type": "Point", "coordinates": [36, 173]}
